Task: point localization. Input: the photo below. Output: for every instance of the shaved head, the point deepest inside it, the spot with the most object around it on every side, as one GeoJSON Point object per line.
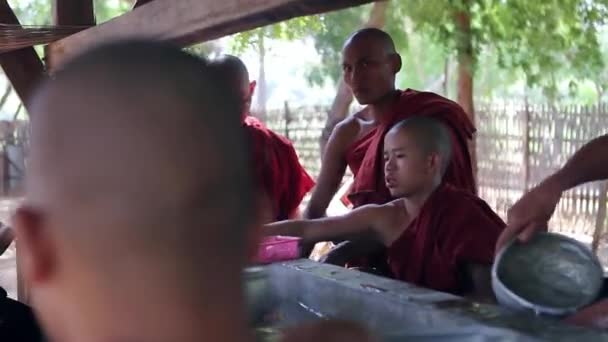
{"type": "Point", "coordinates": [232, 68]}
{"type": "Point", "coordinates": [370, 64]}
{"type": "Point", "coordinates": [381, 38]}
{"type": "Point", "coordinates": [137, 196]}
{"type": "Point", "coordinates": [232, 71]}
{"type": "Point", "coordinates": [139, 147]}
{"type": "Point", "coordinates": [429, 135]}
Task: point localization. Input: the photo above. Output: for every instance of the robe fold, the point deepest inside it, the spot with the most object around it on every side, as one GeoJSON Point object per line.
{"type": "Point", "coordinates": [365, 156]}
{"type": "Point", "coordinates": [454, 228]}
{"type": "Point", "coordinates": [277, 169]}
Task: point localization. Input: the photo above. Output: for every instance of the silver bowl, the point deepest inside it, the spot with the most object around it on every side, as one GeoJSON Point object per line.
{"type": "Point", "coordinates": [551, 275]}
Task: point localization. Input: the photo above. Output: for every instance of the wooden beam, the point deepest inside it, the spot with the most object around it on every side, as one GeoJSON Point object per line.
{"type": "Point", "coordinates": [186, 22]}
{"type": "Point", "coordinates": [73, 12]}
{"type": "Point", "coordinates": [23, 67]}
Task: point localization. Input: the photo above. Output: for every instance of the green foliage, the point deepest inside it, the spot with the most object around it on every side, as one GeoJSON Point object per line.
{"type": "Point", "coordinates": [540, 38]}
{"type": "Point", "coordinates": [32, 12]}
{"type": "Point", "coordinates": [288, 30]}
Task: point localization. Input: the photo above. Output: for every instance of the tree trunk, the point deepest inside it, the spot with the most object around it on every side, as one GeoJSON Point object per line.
{"type": "Point", "coordinates": [464, 52]}
{"type": "Point", "coordinates": [262, 89]}
{"type": "Point", "coordinates": [344, 97]}
{"type": "Point", "coordinates": [446, 77]}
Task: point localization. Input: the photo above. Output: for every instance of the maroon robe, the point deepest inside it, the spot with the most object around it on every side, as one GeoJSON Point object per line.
{"type": "Point", "coordinates": [454, 228]}
{"type": "Point", "coordinates": [365, 156]}
{"type": "Point", "coordinates": [277, 169]}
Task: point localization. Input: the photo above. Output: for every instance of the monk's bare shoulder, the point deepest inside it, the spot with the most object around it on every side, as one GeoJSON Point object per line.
{"type": "Point", "coordinates": [346, 131]}
{"type": "Point", "coordinates": [329, 331]}
{"type": "Point", "coordinates": [394, 220]}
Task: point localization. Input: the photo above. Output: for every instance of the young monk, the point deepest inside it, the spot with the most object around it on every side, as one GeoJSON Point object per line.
{"type": "Point", "coordinates": [281, 181]}
{"type": "Point", "coordinates": [437, 236]}
{"type": "Point", "coordinates": [370, 64]}
{"type": "Point", "coordinates": [138, 200]}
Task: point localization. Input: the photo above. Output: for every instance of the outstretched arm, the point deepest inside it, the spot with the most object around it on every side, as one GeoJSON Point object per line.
{"type": "Point", "coordinates": [356, 223]}
{"type": "Point", "coordinates": [532, 212]}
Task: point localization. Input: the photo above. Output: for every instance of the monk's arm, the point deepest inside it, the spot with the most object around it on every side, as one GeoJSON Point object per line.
{"type": "Point", "coordinates": [356, 223]}
{"type": "Point", "coordinates": [593, 316]}
{"type": "Point", "coordinates": [481, 283]}
{"type": "Point", "coordinates": [586, 165]}
{"type": "Point", "coordinates": [532, 212]}
{"type": "Point", "coordinates": [332, 170]}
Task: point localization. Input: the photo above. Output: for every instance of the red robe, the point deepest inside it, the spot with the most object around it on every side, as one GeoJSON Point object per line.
{"type": "Point", "coordinates": [453, 228]}
{"type": "Point", "coordinates": [277, 169]}
{"type": "Point", "coordinates": [365, 156]}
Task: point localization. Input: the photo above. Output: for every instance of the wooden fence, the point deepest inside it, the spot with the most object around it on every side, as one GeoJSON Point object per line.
{"type": "Point", "coordinates": [517, 146]}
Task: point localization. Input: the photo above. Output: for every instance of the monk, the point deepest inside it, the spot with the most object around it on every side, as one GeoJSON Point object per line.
{"type": "Point", "coordinates": [280, 180]}
{"type": "Point", "coordinates": [437, 236]}
{"type": "Point", "coordinates": [136, 222]}
{"type": "Point", "coordinates": [532, 212]}
{"type": "Point", "coordinates": [370, 64]}
{"type": "Point", "coordinates": [137, 203]}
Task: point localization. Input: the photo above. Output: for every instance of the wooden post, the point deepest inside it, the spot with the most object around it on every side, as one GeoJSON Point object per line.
{"type": "Point", "coordinates": [73, 12]}
{"type": "Point", "coordinates": [600, 218]}
{"type": "Point", "coordinates": [526, 142]}
{"type": "Point", "coordinates": [69, 12]}
{"type": "Point", "coordinates": [287, 115]}
{"type": "Point", "coordinates": [22, 67]}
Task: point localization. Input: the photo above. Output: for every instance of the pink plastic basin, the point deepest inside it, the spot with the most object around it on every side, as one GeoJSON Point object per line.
{"type": "Point", "coordinates": [278, 248]}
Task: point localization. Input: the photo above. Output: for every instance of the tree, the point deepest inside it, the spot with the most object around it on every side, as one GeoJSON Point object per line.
{"type": "Point", "coordinates": [256, 39]}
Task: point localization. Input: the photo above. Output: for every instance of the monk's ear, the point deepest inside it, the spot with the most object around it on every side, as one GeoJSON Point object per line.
{"type": "Point", "coordinates": [37, 255]}
{"type": "Point", "coordinates": [434, 163]}
{"type": "Point", "coordinates": [396, 63]}
{"type": "Point", "coordinates": [252, 86]}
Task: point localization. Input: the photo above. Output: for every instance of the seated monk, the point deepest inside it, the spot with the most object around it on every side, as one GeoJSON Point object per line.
{"type": "Point", "coordinates": [138, 200]}
{"type": "Point", "coordinates": [370, 64]}
{"type": "Point", "coordinates": [437, 236]}
{"type": "Point", "coordinates": [281, 181]}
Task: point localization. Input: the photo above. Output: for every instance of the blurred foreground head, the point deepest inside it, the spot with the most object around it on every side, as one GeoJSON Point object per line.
{"type": "Point", "coordinates": [134, 225]}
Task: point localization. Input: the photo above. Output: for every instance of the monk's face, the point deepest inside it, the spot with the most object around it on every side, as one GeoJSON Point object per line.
{"type": "Point", "coordinates": [408, 169]}
{"type": "Point", "coordinates": [369, 69]}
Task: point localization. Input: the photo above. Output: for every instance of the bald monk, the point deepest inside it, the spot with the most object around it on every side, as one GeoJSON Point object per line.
{"type": "Point", "coordinates": [135, 222]}
{"type": "Point", "coordinates": [437, 236]}
{"type": "Point", "coordinates": [370, 64]}
{"type": "Point", "coordinates": [280, 180]}
{"type": "Point", "coordinates": [137, 201]}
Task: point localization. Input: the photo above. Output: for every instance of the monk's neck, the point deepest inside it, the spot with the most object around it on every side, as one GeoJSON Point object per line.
{"type": "Point", "coordinates": [415, 202]}
{"type": "Point", "coordinates": [382, 108]}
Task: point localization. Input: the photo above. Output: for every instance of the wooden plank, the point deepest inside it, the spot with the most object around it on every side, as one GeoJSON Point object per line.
{"type": "Point", "coordinates": [186, 22]}
{"type": "Point", "coordinates": [23, 67]}
{"type": "Point", "coordinates": [69, 12]}
{"type": "Point", "coordinates": [73, 12]}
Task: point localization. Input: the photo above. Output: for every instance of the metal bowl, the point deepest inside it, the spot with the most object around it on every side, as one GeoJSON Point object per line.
{"type": "Point", "coordinates": [551, 274]}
